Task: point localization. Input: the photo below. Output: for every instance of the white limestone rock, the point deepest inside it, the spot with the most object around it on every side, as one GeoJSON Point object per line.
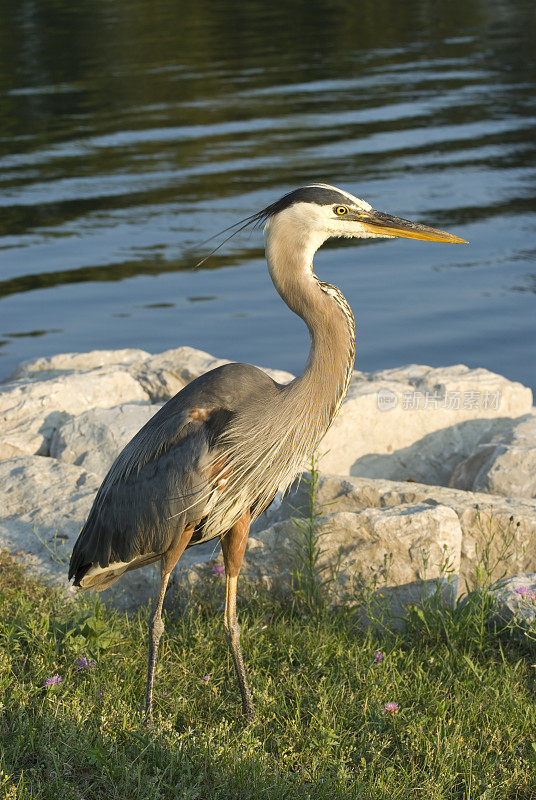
{"type": "Point", "coordinates": [30, 411]}
{"type": "Point", "coordinates": [45, 504]}
{"type": "Point", "coordinates": [507, 524]}
{"type": "Point", "coordinates": [433, 458]}
{"type": "Point", "coordinates": [516, 602]}
{"type": "Point", "coordinates": [414, 423]}
{"type": "Point", "coordinates": [165, 374]}
{"type": "Point", "coordinates": [92, 440]}
{"type": "Point", "coordinates": [417, 422]}
{"type": "Point", "coordinates": [399, 549]}
{"type": "Point", "coordinates": [51, 366]}
{"type": "Point", "coordinates": [506, 465]}
{"type": "Point", "coordinates": [401, 423]}
{"type": "Point", "coordinates": [41, 395]}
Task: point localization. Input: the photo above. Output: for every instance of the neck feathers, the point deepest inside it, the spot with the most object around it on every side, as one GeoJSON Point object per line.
{"type": "Point", "coordinates": [320, 390]}
{"type": "Point", "coordinates": [268, 443]}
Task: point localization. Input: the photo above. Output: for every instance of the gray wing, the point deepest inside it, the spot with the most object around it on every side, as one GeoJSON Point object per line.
{"type": "Point", "coordinates": [160, 483]}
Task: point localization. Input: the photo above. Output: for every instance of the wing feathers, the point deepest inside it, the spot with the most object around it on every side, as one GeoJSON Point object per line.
{"type": "Point", "coordinates": [158, 485]}
{"type": "Point", "coordinates": [165, 477]}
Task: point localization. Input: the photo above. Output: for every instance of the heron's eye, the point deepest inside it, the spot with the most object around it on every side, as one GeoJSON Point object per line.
{"type": "Point", "coordinates": [340, 210]}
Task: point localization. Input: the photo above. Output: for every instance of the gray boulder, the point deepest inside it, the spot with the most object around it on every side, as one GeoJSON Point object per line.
{"type": "Point", "coordinates": [45, 503]}
{"type": "Point", "coordinates": [504, 528]}
{"type": "Point", "coordinates": [418, 422]}
{"type": "Point", "coordinates": [165, 374]}
{"type": "Point", "coordinates": [433, 458]}
{"type": "Point", "coordinates": [37, 369]}
{"type": "Point", "coordinates": [516, 601]}
{"type": "Point", "coordinates": [398, 553]}
{"type": "Point", "coordinates": [42, 395]}
{"type": "Point", "coordinates": [32, 410]}
{"type": "Point", "coordinates": [401, 546]}
{"type": "Point", "coordinates": [415, 422]}
{"type": "Point", "coordinates": [505, 465]}
{"type": "Point", "coordinates": [92, 440]}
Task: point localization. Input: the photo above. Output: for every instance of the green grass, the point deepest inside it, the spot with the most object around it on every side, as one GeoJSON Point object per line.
{"type": "Point", "coordinates": [466, 726]}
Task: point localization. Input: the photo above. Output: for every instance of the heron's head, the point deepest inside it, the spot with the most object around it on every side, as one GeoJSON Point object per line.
{"type": "Point", "coordinates": [315, 213]}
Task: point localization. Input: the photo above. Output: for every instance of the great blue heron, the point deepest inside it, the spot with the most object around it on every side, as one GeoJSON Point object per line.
{"type": "Point", "coordinates": [213, 457]}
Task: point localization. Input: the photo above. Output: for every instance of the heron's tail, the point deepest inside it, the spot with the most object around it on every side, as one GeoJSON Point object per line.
{"type": "Point", "coordinates": [96, 563]}
{"type": "Point", "coordinates": [96, 578]}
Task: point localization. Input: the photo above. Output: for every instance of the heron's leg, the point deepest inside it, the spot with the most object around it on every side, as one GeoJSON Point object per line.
{"type": "Point", "coordinates": [233, 545]}
{"type": "Point", "coordinates": [156, 625]}
{"type": "Point", "coordinates": [156, 629]}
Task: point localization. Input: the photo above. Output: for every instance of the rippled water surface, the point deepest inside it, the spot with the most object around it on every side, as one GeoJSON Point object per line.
{"type": "Point", "coordinates": [130, 132]}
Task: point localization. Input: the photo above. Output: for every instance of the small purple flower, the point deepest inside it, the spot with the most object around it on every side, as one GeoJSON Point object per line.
{"type": "Point", "coordinates": [378, 656]}
{"type": "Point", "coordinates": [53, 681]}
{"type": "Point", "coordinates": [85, 663]}
{"type": "Point", "coordinates": [206, 678]}
{"type": "Point", "coordinates": [218, 570]}
{"type": "Point", "coordinates": [390, 708]}
{"type": "Point", "coordinates": [526, 593]}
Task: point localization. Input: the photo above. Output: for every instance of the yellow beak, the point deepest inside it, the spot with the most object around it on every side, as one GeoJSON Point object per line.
{"type": "Point", "coordinates": [387, 225]}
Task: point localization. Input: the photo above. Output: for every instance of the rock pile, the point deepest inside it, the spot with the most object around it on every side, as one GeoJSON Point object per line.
{"type": "Point", "coordinates": [422, 467]}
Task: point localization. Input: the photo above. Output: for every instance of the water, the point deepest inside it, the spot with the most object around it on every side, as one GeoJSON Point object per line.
{"type": "Point", "coordinates": [130, 132]}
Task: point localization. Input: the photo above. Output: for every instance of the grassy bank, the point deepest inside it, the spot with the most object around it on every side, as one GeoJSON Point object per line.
{"type": "Point", "coordinates": [465, 725]}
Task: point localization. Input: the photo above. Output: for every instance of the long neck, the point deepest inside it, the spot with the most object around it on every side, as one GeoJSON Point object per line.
{"type": "Point", "coordinates": [268, 441]}
{"type": "Point", "coordinates": [321, 388]}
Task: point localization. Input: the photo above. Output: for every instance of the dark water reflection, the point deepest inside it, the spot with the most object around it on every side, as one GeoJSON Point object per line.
{"type": "Point", "coordinates": [132, 131]}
